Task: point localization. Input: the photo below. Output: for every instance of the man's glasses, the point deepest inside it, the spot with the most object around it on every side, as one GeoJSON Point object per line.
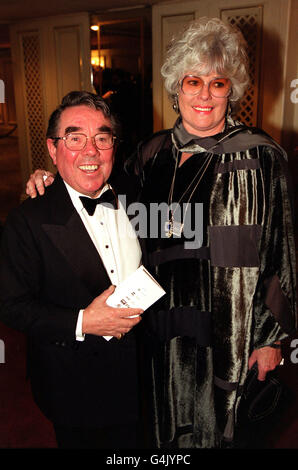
{"type": "Point", "coordinates": [218, 87]}
{"type": "Point", "coordinates": [78, 141]}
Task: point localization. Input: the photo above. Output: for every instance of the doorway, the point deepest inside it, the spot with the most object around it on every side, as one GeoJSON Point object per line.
{"type": "Point", "coordinates": [122, 75]}
{"type": "Point", "coordinates": [10, 171]}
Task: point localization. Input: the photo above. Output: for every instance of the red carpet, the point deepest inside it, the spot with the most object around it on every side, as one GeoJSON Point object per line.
{"type": "Point", "coordinates": [22, 425]}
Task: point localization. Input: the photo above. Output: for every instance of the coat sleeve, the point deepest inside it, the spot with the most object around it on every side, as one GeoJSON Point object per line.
{"type": "Point", "coordinates": [274, 304]}
{"type": "Point", "coordinates": [22, 304]}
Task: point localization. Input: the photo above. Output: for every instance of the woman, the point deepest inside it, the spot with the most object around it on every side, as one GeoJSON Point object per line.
{"type": "Point", "coordinates": [230, 296]}
{"type": "Point", "coordinates": [219, 316]}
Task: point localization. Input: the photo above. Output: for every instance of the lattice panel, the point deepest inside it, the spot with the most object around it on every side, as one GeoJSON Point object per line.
{"type": "Point", "coordinates": [34, 100]}
{"type": "Point", "coordinates": [249, 21]}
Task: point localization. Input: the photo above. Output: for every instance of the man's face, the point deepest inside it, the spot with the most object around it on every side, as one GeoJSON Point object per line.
{"type": "Point", "coordinates": [85, 170]}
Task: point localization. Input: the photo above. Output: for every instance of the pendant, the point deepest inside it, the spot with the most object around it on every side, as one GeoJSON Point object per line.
{"type": "Point", "coordinates": [177, 228]}
{"type": "Point", "coordinates": [172, 227]}
{"type": "Point", "coordinates": [169, 228]}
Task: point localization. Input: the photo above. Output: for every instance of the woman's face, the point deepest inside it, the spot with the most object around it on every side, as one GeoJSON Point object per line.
{"type": "Point", "coordinates": [203, 114]}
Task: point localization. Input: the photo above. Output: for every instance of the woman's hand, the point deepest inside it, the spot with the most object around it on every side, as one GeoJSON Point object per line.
{"type": "Point", "coordinates": [267, 359]}
{"type": "Point", "coordinates": [38, 181]}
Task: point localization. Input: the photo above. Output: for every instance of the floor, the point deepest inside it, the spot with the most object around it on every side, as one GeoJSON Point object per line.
{"type": "Point", "coordinates": [21, 423]}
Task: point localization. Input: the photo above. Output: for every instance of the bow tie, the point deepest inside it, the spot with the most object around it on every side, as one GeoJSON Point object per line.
{"type": "Point", "coordinates": [108, 198]}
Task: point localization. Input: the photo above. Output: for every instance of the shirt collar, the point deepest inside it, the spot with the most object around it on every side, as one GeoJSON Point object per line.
{"type": "Point", "coordinates": [75, 195]}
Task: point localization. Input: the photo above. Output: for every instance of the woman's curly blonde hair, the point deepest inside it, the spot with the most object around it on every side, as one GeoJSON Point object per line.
{"type": "Point", "coordinates": [206, 45]}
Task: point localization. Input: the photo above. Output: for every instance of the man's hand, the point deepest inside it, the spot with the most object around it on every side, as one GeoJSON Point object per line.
{"type": "Point", "coordinates": [102, 320]}
{"type": "Point", "coordinates": [38, 181]}
{"type": "Point", "coordinates": [267, 359]}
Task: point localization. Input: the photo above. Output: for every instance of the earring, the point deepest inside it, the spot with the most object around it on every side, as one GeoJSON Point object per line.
{"type": "Point", "coordinates": [176, 105]}
{"type": "Point", "coordinates": [229, 109]}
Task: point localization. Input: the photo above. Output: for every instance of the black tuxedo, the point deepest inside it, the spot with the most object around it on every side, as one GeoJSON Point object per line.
{"type": "Point", "coordinates": [50, 269]}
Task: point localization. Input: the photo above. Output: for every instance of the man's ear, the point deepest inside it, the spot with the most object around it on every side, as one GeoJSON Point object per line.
{"type": "Point", "coordinates": [52, 150]}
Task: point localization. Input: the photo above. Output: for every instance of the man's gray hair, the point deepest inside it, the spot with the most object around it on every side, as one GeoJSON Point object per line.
{"type": "Point", "coordinates": [82, 98]}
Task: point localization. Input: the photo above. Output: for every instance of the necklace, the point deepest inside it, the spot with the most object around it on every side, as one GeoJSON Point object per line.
{"type": "Point", "coordinates": [172, 226]}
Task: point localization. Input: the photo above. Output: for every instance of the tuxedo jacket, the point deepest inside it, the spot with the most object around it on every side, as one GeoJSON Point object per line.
{"type": "Point", "coordinates": [49, 270]}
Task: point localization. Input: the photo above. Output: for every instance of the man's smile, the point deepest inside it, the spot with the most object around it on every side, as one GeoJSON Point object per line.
{"type": "Point", "coordinates": [89, 168]}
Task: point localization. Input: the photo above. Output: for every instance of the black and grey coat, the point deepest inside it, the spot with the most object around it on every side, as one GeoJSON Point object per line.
{"type": "Point", "coordinates": [231, 295]}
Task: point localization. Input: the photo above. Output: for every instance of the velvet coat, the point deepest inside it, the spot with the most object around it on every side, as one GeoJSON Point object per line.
{"type": "Point", "coordinates": [224, 299]}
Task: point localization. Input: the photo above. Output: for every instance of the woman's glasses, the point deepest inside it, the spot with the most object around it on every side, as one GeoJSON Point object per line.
{"type": "Point", "coordinates": [218, 87]}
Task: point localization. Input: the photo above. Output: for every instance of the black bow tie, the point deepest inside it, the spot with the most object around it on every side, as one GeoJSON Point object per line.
{"type": "Point", "coordinates": [108, 198]}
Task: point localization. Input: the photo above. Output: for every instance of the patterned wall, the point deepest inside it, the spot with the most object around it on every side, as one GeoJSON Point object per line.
{"type": "Point", "coordinates": [249, 21]}
{"type": "Point", "coordinates": [34, 99]}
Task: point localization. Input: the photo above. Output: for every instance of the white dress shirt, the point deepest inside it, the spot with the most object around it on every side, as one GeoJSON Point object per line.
{"type": "Point", "coordinates": [115, 240]}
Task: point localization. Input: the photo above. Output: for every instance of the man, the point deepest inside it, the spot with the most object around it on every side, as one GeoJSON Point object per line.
{"type": "Point", "coordinates": [59, 264]}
